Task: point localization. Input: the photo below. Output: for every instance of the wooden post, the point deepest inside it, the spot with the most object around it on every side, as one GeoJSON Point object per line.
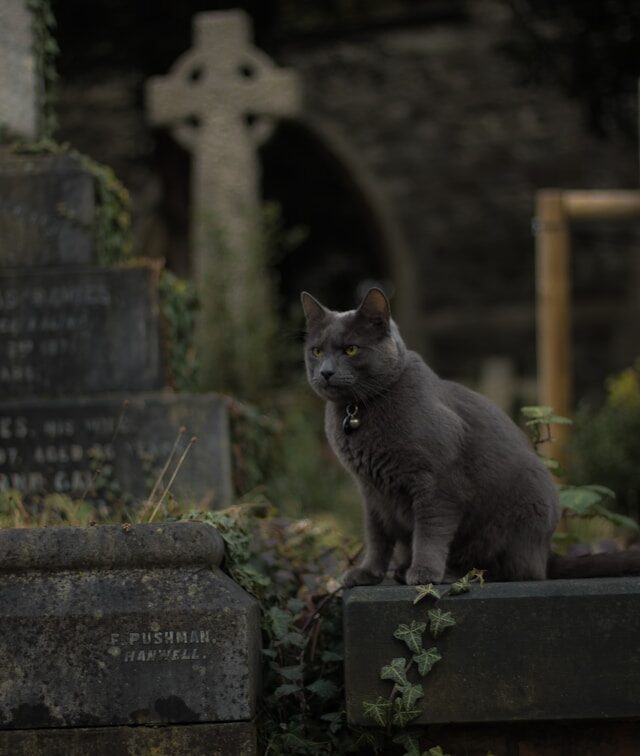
{"type": "Point", "coordinates": [553, 307]}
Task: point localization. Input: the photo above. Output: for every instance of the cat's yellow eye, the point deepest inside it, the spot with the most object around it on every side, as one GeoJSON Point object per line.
{"type": "Point", "coordinates": [316, 352]}
{"type": "Point", "coordinates": [351, 350]}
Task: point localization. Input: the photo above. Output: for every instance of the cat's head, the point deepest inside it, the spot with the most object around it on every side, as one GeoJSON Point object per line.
{"type": "Point", "coordinates": [354, 355]}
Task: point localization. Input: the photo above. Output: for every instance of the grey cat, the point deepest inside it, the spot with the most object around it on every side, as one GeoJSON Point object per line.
{"type": "Point", "coordinates": [449, 482]}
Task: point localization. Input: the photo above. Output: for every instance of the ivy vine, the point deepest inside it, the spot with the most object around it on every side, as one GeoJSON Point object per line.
{"type": "Point", "coordinates": [404, 702]}
{"type": "Point", "coordinates": [45, 51]}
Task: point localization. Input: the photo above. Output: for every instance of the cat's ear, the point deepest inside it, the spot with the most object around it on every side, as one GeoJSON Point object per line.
{"type": "Point", "coordinates": [314, 312]}
{"type": "Point", "coordinates": [375, 307]}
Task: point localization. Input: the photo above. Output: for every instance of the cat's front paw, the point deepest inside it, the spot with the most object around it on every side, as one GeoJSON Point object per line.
{"type": "Point", "coordinates": [421, 575]}
{"type": "Point", "coordinates": [361, 576]}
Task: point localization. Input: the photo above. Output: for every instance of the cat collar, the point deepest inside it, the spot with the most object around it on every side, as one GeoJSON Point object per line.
{"type": "Point", "coordinates": [351, 422]}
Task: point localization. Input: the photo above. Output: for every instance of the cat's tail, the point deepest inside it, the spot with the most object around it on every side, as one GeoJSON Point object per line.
{"type": "Point", "coordinates": [618, 564]}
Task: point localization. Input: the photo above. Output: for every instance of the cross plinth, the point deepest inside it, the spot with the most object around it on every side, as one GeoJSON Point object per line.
{"type": "Point", "coordinates": [20, 85]}
{"type": "Point", "coordinates": [220, 100]}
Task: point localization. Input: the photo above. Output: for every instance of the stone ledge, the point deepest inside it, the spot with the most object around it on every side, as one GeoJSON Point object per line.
{"type": "Point", "coordinates": [223, 739]}
{"type": "Point", "coordinates": [174, 544]}
{"type": "Point", "coordinates": [562, 649]}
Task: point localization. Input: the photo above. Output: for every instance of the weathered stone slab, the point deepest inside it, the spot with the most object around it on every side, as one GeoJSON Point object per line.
{"type": "Point", "coordinates": [18, 79]}
{"type": "Point", "coordinates": [54, 446]}
{"type": "Point", "coordinates": [120, 640]}
{"type": "Point", "coordinates": [46, 210]}
{"type": "Point", "coordinates": [69, 331]}
{"type": "Point", "coordinates": [562, 649]}
{"type": "Point", "coordinates": [224, 739]}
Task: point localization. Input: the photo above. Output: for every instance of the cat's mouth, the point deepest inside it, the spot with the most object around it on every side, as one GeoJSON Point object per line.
{"type": "Point", "coordinates": [331, 391]}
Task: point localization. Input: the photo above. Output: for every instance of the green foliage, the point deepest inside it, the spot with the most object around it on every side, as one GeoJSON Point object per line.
{"type": "Point", "coordinates": [50, 510]}
{"type": "Point", "coordinates": [404, 702]}
{"type": "Point", "coordinates": [284, 456]}
{"type": "Point", "coordinates": [45, 51]}
{"type": "Point", "coordinates": [439, 621]}
{"type": "Point", "coordinates": [592, 501]}
{"type": "Point", "coordinates": [111, 228]}
{"type": "Point", "coordinates": [424, 591]}
{"type": "Point", "coordinates": [179, 305]}
{"type": "Point", "coordinates": [292, 566]}
{"type": "Point", "coordinates": [584, 501]}
{"type": "Point", "coordinates": [426, 658]}
{"type": "Point", "coordinates": [606, 442]}
{"type": "Point", "coordinates": [411, 634]}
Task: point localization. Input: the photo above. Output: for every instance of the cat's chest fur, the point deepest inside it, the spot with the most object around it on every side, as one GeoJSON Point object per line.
{"type": "Point", "coordinates": [364, 452]}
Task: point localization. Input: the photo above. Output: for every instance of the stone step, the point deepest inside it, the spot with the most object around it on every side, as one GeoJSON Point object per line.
{"type": "Point", "coordinates": [46, 210]}
{"type": "Point", "coordinates": [106, 627]}
{"type": "Point", "coordinates": [221, 739]}
{"type": "Point", "coordinates": [56, 445]}
{"type": "Point", "coordinates": [550, 650]}
{"type": "Point", "coordinates": [74, 330]}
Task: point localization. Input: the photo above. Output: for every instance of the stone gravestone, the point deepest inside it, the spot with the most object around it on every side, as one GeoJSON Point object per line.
{"type": "Point", "coordinates": [18, 79]}
{"type": "Point", "coordinates": [220, 101]}
{"type": "Point", "coordinates": [46, 210]}
{"type": "Point", "coordinates": [104, 629]}
{"type": "Point", "coordinates": [81, 357]}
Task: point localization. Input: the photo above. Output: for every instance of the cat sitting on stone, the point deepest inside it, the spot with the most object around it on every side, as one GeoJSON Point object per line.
{"type": "Point", "coordinates": [449, 482]}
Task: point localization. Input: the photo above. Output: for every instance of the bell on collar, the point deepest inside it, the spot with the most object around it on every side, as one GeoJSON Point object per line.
{"type": "Point", "coordinates": [351, 422]}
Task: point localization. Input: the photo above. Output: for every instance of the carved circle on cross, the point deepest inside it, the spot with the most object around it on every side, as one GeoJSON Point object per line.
{"type": "Point", "coordinates": [244, 73]}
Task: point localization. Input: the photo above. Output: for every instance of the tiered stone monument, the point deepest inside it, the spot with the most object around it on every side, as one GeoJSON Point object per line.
{"type": "Point", "coordinates": [115, 642]}
{"type": "Point", "coordinates": [77, 341]}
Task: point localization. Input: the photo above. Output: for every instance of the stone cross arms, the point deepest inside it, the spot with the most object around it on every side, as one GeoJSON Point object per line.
{"type": "Point", "coordinates": [220, 100]}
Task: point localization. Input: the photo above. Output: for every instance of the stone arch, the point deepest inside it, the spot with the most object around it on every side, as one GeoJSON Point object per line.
{"type": "Point", "coordinates": [335, 163]}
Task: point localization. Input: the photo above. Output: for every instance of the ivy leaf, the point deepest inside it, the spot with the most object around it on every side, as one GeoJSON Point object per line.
{"type": "Point", "coordinates": [439, 621]}
{"type": "Point", "coordinates": [426, 659]}
{"type": "Point", "coordinates": [280, 621]}
{"type": "Point", "coordinates": [294, 672]}
{"type": "Point", "coordinates": [331, 656]}
{"type": "Point", "coordinates": [478, 575]}
{"type": "Point", "coordinates": [460, 586]}
{"type": "Point", "coordinates": [286, 690]}
{"type": "Point", "coordinates": [411, 694]}
{"type": "Point", "coordinates": [424, 591]}
{"type": "Point", "coordinates": [396, 671]}
{"type": "Point", "coordinates": [436, 751]}
{"type": "Point", "coordinates": [377, 710]}
{"type": "Point", "coordinates": [402, 714]}
{"type": "Point", "coordinates": [410, 744]}
{"type": "Point", "coordinates": [323, 688]}
{"type": "Point", "coordinates": [411, 635]}
{"type": "Point", "coordinates": [621, 521]}
{"type": "Point", "coordinates": [295, 605]}
{"type": "Point", "coordinates": [293, 639]}
{"type": "Point", "coordinates": [298, 744]}
{"type": "Point", "coordinates": [334, 719]}
{"type": "Point", "coordinates": [536, 412]}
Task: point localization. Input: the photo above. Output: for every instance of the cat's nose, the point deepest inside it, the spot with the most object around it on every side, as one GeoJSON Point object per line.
{"type": "Point", "coordinates": [326, 373]}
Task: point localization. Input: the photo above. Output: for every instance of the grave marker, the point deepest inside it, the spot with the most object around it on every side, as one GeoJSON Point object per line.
{"type": "Point", "coordinates": [56, 446]}
{"type": "Point", "coordinates": [220, 101]}
{"type": "Point", "coordinates": [78, 331]}
{"type": "Point", "coordinates": [103, 627]}
{"type": "Point", "coordinates": [46, 210]}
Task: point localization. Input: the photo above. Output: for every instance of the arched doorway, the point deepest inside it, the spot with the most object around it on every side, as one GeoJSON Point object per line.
{"type": "Point", "coordinates": [352, 238]}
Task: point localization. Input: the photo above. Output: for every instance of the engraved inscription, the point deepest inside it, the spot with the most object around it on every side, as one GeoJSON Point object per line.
{"type": "Point", "coordinates": [157, 645]}
{"type": "Point", "coordinates": [43, 326]}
